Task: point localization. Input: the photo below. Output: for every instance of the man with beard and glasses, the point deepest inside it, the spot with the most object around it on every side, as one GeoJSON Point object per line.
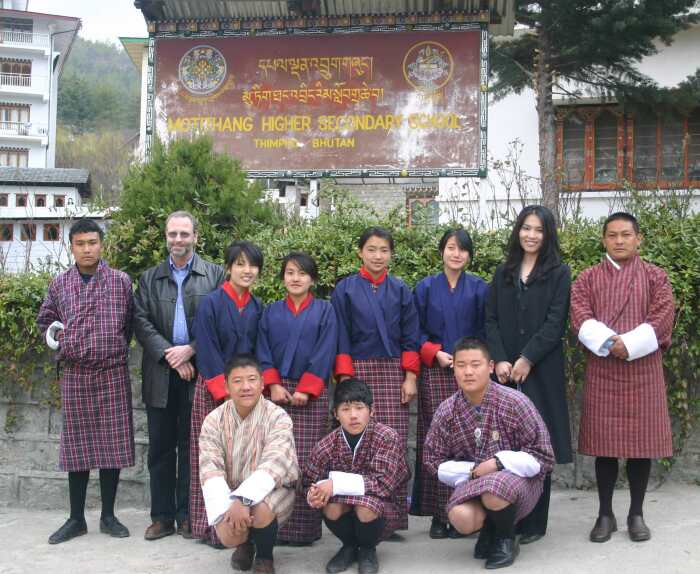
{"type": "Point", "coordinates": [165, 306]}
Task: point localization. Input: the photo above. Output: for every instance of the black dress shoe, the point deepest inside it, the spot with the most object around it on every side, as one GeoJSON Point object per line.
{"type": "Point", "coordinates": [438, 529]}
{"type": "Point", "coordinates": [504, 551]}
{"type": "Point", "coordinates": [111, 525]}
{"type": "Point", "coordinates": [530, 538]}
{"type": "Point", "coordinates": [242, 557]}
{"type": "Point", "coordinates": [367, 562]}
{"type": "Point", "coordinates": [343, 559]}
{"type": "Point", "coordinates": [482, 549]}
{"type": "Point", "coordinates": [603, 529]}
{"type": "Point", "coordinates": [70, 529]}
{"type": "Point", "coordinates": [637, 528]}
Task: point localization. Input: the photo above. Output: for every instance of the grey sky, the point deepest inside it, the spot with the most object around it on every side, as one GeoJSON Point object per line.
{"type": "Point", "coordinates": [101, 19]}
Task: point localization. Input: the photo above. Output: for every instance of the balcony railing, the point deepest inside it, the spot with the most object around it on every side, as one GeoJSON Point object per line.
{"type": "Point", "coordinates": [22, 129]}
{"type": "Point", "coordinates": [22, 81]}
{"type": "Point", "coordinates": [24, 38]}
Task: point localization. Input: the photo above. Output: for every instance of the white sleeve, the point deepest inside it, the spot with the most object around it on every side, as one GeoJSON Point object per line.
{"type": "Point", "coordinates": [519, 462]}
{"type": "Point", "coordinates": [640, 341]}
{"type": "Point", "coordinates": [54, 328]}
{"type": "Point", "coordinates": [593, 335]}
{"type": "Point", "coordinates": [216, 498]}
{"type": "Point", "coordinates": [256, 487]}
{"type": "Point", "coordinates": [454, 472]}
{"type": "Point", "coordinates": [347, 483]}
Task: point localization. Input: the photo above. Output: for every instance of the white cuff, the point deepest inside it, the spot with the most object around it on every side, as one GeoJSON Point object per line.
{"type": "Point", "coordinates": [216, 498]}
{"type": "Point", "coordinates": [54, 328]}
{"type": "Point", "coordinates": [347, 483]}
{"type": "Point", "coordinates": [454, 472]}
{"type": "Point", "coordinates": [640, 341]}
{"type": "Point", "coordinates": [519, 462]}
{"type": "Point", "coordinates": [593, 335]}
{"type": "Point", "coordinates": [256, 487]}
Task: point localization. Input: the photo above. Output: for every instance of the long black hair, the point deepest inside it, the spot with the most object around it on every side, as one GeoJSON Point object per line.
{"type": "Point", "coordinates": [547, 258]}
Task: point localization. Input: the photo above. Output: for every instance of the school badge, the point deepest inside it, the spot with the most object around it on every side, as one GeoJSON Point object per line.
{"type": "Point", "coordinates": [428, 66]}
{"type": "Point", "coordinates": [202, 70]}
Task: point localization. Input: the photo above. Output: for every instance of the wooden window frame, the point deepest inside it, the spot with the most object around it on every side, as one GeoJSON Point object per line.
{"type": "Point", "coordinates": [57, 198]}
{"type": "Point", "coordinates": [50, 226]}
{"type": "Point", "coordinates": [40, 197]}
{"type": "Point", "coordinates": [23, 231]}
{"type": "Point", "coordinates": [4, 200]}
{"type": "Point", "coordinates": [9, 226]}
{"type": "Point", "coordinates": [24, 196]}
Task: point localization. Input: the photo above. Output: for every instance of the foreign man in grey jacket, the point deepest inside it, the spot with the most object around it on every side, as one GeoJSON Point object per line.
{"type": "Point", "coordinates": [165, 306]}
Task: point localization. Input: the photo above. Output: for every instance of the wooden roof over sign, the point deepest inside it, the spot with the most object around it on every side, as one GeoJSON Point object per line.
{"type": "Point", "coordinates": [308, 13]}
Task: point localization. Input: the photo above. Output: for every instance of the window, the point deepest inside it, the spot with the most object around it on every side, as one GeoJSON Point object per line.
{"type": "Point", "coordinates": [304, 200]}
{"type": "Point", "coordinates": [21, 200]}
{"type": "Point", "coordinates": [59, 200]}
{"type": "Point", "coordinates": [3, 200]}
{"type": "Point", "coordinates": [6, 231]}
{"type": "Point", "coordinates": [52, 232]}
{"type": "Point", "coordinates": [13, 157]}
{"type": "Point", "coordinates": [39, 201]}
{"type": "Point", "coordinates": [13, 118]}
{"type": "Point", "coordinates": [598, 147]}
{"type": "Point", "coordinates": [27, 232]}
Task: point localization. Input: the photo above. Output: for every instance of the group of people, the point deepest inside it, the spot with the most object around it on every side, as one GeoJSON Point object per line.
{"type": "Point", "coordinates": [237, 395]}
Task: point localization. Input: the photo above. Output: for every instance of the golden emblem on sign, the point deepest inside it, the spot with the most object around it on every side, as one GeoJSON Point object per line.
{"type": "Point", "coordinates": [428, 66]}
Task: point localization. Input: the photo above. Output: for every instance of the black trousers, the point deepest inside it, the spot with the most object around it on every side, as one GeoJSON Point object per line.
{"type": "Point", "coordinates": [536, 521]}
{"type": "Point", "coordinates": [169, 453]}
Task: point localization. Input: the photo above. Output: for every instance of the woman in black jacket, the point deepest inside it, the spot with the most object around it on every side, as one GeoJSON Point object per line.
{"type": "Point", "coordinates": [526, 315]}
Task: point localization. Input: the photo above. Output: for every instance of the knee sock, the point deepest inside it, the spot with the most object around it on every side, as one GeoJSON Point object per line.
{"type": "Point", "coordinates": [343, 528]}
{"type": "Point", "coordinates": [606, 477]}
{"type": "Point", "coordinates": [77, 491]}
{"type": "Point", "coordinates": [368, 534]}
{"type": "Point", "coordinates": [503, 521]}
{"type": "Point", "coordinates": [264, 539]}
{"type": "Point", "coordinates": [109, 480]}
{"type": "Point", "coordinates": [638, 470]}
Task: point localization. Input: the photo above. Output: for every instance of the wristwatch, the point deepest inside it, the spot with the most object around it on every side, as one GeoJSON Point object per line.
{"type": "Point", "coordinates": [499, 464]}
{"type": "Point", "coordinates": [244, 501]}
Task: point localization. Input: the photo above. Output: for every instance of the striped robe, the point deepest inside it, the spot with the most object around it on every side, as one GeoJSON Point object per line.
{"type": "Point", "coordinates": [97, 429]}
{"type": "Point", "coordinates": [232, 449]}
{"type": "Point", "coordinates": [625, 412]}
{"type": "Point", "coordinates": [508, 421]}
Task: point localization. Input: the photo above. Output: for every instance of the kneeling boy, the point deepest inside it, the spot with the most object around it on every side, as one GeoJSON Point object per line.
{"type": "Point", "coordinates": [353, 475]}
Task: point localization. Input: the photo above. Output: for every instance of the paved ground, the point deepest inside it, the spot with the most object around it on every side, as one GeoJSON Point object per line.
{"type": "Point", "coordinates": [673, 513]}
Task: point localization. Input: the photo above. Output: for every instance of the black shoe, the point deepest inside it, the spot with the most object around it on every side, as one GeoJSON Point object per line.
{"type": "Point", "coordinates": [438, 529]}
{"type": "Point", "coordinates": [454, 534]}
{"type": "Point", "coordinates": [111, 525]}
{"type": "Point", "coordinates": [637, 529]}
{"type": "Point", "coordinates": [530, 538]}
{"type": "Point", "coordinates": [367, 562]}
{"type": "Point", "coordinates": [482, 549]}
{"type": "Point", "coordinates": [503, 553]}
{"type": "Point", "coordinates": [70, 529]}
{"type": "Point", "coordinates": [214, 545]}
{"type": "Point", "coordinates": [603, 529]}
{"type": "Point", "coordinates": [343, 559]}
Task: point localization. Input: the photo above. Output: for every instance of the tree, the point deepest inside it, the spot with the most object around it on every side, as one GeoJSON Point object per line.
{"type": "Point", "coordinates": [581, 46]}
{"type": "Point", "coordinates": [184, 175]}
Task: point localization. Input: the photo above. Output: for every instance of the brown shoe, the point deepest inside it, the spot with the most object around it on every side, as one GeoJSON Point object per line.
{"type": "Point", "coordinates": [603, 529]}
{"type": "Point", "coordinates": [159, 529]}
{"type": "Point", "coordinates": [184, 530]}
{"type": "Point", "coordinates": [264, 566]}
{"type": "Point", "coordinates": [242, 557]}
{"type": "Point", "coordinates": [637, 528]}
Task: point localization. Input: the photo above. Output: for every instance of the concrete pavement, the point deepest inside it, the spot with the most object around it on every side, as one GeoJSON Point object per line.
{"type": "Point", "coordinates": [672, 512]}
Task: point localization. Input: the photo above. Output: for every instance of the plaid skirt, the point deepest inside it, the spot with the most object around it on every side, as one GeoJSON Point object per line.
{"type": "Point", "coordinates": [430, 496]}
{"type": "Point", "coordinates": [98, 430]}
{"type": "Point", "coordinates": [522, 492]}
{"type": "Point", "coordinates": [310, 426]}
{"type": "Point", "coordinates": [202, 405]}
{"type": "Point", "coordinates": [385, 377]}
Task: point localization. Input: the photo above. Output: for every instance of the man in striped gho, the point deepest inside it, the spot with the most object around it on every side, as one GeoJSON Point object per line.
{"type": "Point", "coordinates": [248, 468]}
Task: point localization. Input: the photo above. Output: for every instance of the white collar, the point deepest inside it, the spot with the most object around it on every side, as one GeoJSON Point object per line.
{"type": "Point", "coordinates": [614, 263]}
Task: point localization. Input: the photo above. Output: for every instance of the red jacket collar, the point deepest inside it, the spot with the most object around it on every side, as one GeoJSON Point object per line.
{"type": "Point", "coordinates": [240, 301]}
{"type": "Point", "coordinates": [376, 282]}
{"type": "Point", "coordinates": [304, 304]}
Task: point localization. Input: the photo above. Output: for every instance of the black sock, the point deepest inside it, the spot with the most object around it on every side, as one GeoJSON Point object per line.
{"type": "Point", "coordinates": [77, 491]}
{"type": "Point", "coordinates": [264, 540]}
{"type": "Point", "coordinates": [638, 470]}
{"type": "Point", "coordinates": [606, 477]}
{"type": "Point", "coordinates": [503, 521]}
{"type": "Point", "coordinates": [343, 529]}
{"type": "Point", "coordinates": [109, 480]}
{"type": "Point", "coordinates": [368, 534]}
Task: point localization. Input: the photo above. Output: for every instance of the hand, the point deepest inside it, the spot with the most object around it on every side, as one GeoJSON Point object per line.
{"type": "Point", "coordinates": [279, 395]}
{"type": "Point", "coordinates": [409, 389]}
{"type": "Point", "coordinates": [186, 371]}
{"type": "Point", "coordinates": [320, 493]}
{"type": "Point", "coordinates": [618, 349]}
{"type": "Point", "coordinates": [444, 359]}
{"type": "Point", "coordinates": [521, 370]}
{"type": "Point", "coordinates": [486, 467]}
{"type": "Point", "coordinates": [342, 378]}
{"type": "Point", "coordinates": [178, 355]}
{"type": "Point", "coordinates": [239, 517]}
{"type": "Point", "coordinates": [503, 370]}
{"type": "Point", "coordinates": [300, 399]}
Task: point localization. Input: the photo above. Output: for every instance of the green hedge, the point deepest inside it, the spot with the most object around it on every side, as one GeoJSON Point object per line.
{"type": "Point", "coordinates": [672, 240]}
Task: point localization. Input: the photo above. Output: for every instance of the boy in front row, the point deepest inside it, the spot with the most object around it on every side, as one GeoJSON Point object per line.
{"type": "Point", "coordinates": [353, 476]}
{"type": "Point", "coordinates": [490, 443]}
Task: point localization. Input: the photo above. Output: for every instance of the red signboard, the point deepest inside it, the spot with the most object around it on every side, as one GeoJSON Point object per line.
{"type": "Point", "coordinates": [373, 103]}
